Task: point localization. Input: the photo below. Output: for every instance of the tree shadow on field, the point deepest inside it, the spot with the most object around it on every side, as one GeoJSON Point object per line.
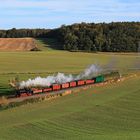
{"type": "Point", "coordinates": [50, 43]}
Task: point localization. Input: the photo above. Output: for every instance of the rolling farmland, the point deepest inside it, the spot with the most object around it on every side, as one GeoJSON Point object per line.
{"type": "Point", "coordinates": [110, 112]}
{"type": "Point", "coordinates": [27, 65]}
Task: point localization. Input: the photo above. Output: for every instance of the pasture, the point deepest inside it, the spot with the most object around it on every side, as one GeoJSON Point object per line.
{"type": "Point", "coordinates": [109, 113]}
{"type": "Point", "coordinates": [31, 64]}
{"type": "Point", "coordinates": [101, 113]}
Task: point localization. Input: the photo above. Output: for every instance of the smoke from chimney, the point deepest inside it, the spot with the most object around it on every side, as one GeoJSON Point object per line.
{"type": "Point", "coordinates": [60, 78]}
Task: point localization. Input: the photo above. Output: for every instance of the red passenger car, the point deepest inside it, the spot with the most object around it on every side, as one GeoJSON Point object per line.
{"type": "Point", "coordinates": [73, 84]}
{"type": "Point", "coordinates": [56, 87]}
{"type": "Point", "coordinates": [80, 82]}
{"type": "Point", "coordinates": [36, 90]}
{"type": "Point", "coordinates": [47, 89]}
{"type": "Point", "coordinates": [65, 85]}
{"type": "Point", "coordinates": [89, 81]}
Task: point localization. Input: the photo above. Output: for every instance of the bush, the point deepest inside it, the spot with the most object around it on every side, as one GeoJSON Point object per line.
{"type": "Point", "coordinates": [35, 49]}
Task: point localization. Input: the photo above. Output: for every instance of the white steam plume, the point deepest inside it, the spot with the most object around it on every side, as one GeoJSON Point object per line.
{"type": "Point", "coordinates": [89, 72]}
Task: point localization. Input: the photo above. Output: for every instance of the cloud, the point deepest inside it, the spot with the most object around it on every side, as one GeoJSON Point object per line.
{"type": "Point", "coordinates": [57, 12]}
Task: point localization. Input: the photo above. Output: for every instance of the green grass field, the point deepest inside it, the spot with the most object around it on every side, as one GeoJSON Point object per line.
{"type": "Point", "coordinates": [31, 64]}
{"type": "Point", "coordinates": [101, 113]}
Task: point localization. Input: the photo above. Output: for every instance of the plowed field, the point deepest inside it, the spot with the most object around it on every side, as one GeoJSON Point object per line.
{"type": "Point", "coordinates": [16, 44]}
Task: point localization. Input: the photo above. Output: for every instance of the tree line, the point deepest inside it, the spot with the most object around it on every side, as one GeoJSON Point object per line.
{"type": "Point", "coordinates": [19, 33]}
{"type": "Point", "coordinates": [111, 37]}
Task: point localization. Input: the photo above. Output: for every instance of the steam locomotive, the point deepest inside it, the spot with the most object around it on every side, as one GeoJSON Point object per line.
{"type": "Point", "coordinates": [56, 87]}
{"type": "Point", "coordinates": [107, 76]}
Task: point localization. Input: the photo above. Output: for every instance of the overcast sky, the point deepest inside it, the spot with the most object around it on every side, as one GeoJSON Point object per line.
{"type": "Point", "coordinates": [54, 13]}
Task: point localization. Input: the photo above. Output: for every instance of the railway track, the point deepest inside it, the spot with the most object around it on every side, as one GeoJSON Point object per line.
{"type": "Point", "coordinates": [60, 91]}
{"type": "Point", "coordinates": [48, 95]}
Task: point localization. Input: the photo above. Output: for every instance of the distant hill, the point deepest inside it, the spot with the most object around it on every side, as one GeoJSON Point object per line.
{"type": "Point", "coordinates": [17, 44]}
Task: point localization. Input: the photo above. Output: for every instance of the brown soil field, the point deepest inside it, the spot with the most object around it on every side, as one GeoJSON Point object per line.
{"type": "Point", "coordinates": [17, 44]}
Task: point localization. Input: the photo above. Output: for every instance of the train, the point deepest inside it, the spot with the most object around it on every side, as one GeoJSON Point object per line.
{"type": "Point", "coordinates": [107, 76]}
{"type": "Point", "coordinates": [57, 87]}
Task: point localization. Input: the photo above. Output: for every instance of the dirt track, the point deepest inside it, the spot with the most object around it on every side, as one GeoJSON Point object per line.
{"type": "Point", "coordinates": [16, 44]}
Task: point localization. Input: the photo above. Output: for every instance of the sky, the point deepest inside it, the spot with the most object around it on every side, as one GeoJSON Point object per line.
{"type": "Point", "coordinates": [54, 13]}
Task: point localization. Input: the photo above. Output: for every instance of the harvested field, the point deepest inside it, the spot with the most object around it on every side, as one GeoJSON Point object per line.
{"type": "Point", "coordinates": [17, 44]}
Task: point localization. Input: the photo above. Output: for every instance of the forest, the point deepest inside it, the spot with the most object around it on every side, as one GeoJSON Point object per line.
{"type": "Point", "coordinates": [90, 37]}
